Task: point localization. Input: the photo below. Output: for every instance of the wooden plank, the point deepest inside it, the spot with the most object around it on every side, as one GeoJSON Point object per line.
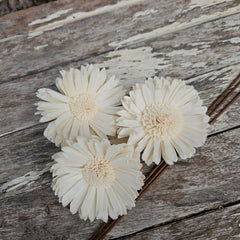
{"type": "Point", "coordinates": [61, 32]}
{"type": "Point", "coordinates": [18, 111]}
{"type": "Point", "coordinates": [199, 48]}
{"type": "Point", "coordinates": [28, 207]}
{"type": "Point", "coordinates": [203, 182]}
{"type": "Point", "coordinates": [221, 224]}
{"type": "Point", "coordinates": [192, 54]}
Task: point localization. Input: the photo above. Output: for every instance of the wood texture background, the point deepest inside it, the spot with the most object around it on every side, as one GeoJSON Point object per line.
{"type": "Point", "coordinates": [198, 41]}
{"type": "Point", "coordinates": [7, 6]}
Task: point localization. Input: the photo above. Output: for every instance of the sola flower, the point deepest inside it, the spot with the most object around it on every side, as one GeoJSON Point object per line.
{"type": "Point", "coordinates": [165, 118]}
{"type": "Point", "coordinates": [86, 106]}
{"type": "Point", "coordinates": [96, 178]}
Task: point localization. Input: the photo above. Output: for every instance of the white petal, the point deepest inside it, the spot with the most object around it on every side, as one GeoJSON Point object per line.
{"type": "Point", "coordinates": [111, 83]}
{"type": "Point", "coordinates": [168, 153]}
{"type": "Point", "coordinates": [147, 154]}
{"type": "Point", "coordinates": [193, 136]}
{"type": "Point", "coordinates": [148, 95]}
{"type": "Point", "coordinates": [71, 81]}
{"type": "Point", "coordinates": [136, 135]}
{"type": "Point", "coordinates": [183, 149]}
{"type": "Point", "coordinates": [124, 196]}
{"type": "Point", "coordinates": [142, 144]}
{"type": "Point", "coordinates": [114, 201]}
{"type": "Point", "coordinates": [101, 210]}
{"type": "Point", "coordinates": [84, 130]}
{"type": "Point", "coordinates": [51, 95]}
{"type": "Point", "coordinates": [79, 157]}
{"type": "Point", "coordinates": [68, 196]}
{"type": "Point", "coordinates": [124, 132]}
{"type": "Point", "coordinates": [79, 198]}
{"type": "Point", "coordinates": [156, 152]}
{"type": "Point", "coordinates": [74, 129]}
{"type": "Point", "coordinates": [65, 83]}
{"type": "Point", "coordinates": [88, 207]}
{"type": "Point", "coordinates": [138, 99]}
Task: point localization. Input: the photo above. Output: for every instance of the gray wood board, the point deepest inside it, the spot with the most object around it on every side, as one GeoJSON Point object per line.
{"type": "Point", "coordinates": [7, 6]}
{"type": "Point", "coordinates": [29, 208]}
{"type": "Point", "coordinates": [222, 224]}
{"type": "Point", "coordinates": [197, 41]}
{"type": "Point", "coordinates": [36, 39]}
{"type": "Point", "coordinates": [203, 55]}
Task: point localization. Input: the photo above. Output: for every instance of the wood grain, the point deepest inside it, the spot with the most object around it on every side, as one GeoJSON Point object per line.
{"type": "Point", "coordinates": [222, 224]}
{"type": "Point", "coordinates": [201, 58]}
{"type": "Point", "coordinates": [7, 6]}
{"type": "Point", "coordinates": [197, 41]}
{"type": "Point", "coordinates": [208, 180]}
{"type": "Point", "coordinates": [30, 42]}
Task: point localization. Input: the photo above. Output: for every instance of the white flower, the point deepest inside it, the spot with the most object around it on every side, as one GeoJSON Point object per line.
{"type": "Point", "coordinates": [165, 118]}
{"type": "Point", "coordinates": [86, 105]}
{"type": "Point", "coordinates": [96, 178]}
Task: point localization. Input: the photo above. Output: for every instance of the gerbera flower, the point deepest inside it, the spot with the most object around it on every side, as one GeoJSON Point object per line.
{"type": "Point", "coordinates": [165, 118]}
{"type": "Point", "coordinates": [96, 178]}
{"type": "Point", "coordinates": [86, 105]}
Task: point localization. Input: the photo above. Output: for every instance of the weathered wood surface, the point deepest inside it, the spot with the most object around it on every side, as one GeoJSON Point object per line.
{"type": "Point", "coordinates": [7, 6]}
{"type": "Point", "coordinates": [53, 35]}
{"type": "Point", "coordinates": [207, 56]}
{"type": "Point", "coordinates": [18, 111]}
{"type": "Point", "coordinates": [197, 41]}
{"type": "Point", "coordinates": [222, 224]}
{"type": "Point", "coordinates": [29, 208]}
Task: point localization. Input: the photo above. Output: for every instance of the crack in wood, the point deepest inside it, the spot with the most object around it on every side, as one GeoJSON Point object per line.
{"type": "Point", "coordinates": [192, 6]}
{"type": "Point", "coordinates": [176, 220]}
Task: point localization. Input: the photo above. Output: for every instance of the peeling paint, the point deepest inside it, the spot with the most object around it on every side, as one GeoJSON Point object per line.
{"type": "Point", "coordinates": [236, 214]}
{"type": "Point", "coordinates": [183, 52]}
{"type": "Point", "coordinates": [50, 17]}
{"type": "Point", "coordinates": [134, 65]}
{"type": "Point", "coordinates": [10, 38]}
{"type": "Point", "coordinates": [231, 26]}
{"type": "Point", "coordinates": [202, 4]}
{"type": "Point", "coordinates": [81, 15]}
{"type": "Point", "coordinates": [234, 69]}
{"type": "Point", "coordinates": [144, 13]}
{"type": "Point", "coordinates": [231, 29]}
{"type": "Point", "coordinates": [186, 64]}
{"type": "Point", "coordinates": [28, 179]}
{"type": "Point", "coordinates": [233, 40]}
{"type": "Point", "coordinates": [201, 44]}
{"type": "Point", "coordinates": [199, 64]}
{"type": "Point", "coordinates": [174, 27]}
{"type": "Point", "coordinates": [40, 46]}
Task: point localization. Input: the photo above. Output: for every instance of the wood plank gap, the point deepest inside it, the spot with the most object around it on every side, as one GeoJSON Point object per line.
{"type": "Point", "coordinates": [223, 131]}
{"type": "Point", "coordinates": [173, 28]}
{"type": "Point", "coordinates": [185, 79]}
{"type": "Point", "coordinates": [217, 69]}
{"type": "Point", "coordinates": [62, 64]}
{"type": "Point", "coordinates": [35, 72]}
{"type": "Point", "coordinates": [193, 215]}
{"type": "Point", "coordinates": [119, 46]}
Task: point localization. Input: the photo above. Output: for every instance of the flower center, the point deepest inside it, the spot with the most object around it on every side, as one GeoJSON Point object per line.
{"type": "Point", "coordinates": [83, 106]}
{"type": "Point", "coordinates": [99, 172]}
{"type": "Point", "coordinates": [160, 121]}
